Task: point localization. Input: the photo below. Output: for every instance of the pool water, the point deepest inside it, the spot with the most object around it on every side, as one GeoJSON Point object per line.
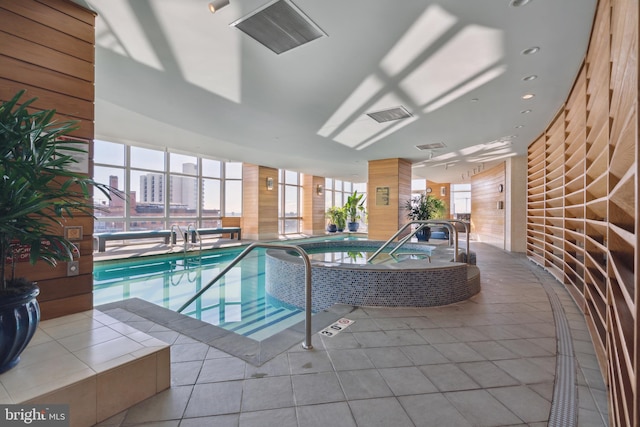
{"type": "Point", "coordinates": [357, 255]}
{"type": "Point", "coordinates": [237, 302]}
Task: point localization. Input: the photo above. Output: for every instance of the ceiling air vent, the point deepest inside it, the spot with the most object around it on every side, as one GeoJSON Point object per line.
{"type": "Point", "coordinates": [390, 114]}
{"type": "Point", "coordinates": [433, 146]}
{"type": "Point", "coordinates": [280, 26]}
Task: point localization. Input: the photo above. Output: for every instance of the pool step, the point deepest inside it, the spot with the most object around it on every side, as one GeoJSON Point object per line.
{"type": "Point", "coordinates": [260, 318]}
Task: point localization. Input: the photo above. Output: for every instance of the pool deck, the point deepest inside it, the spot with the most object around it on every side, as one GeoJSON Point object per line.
{"type": "Point", "coordinates": [493, 360]}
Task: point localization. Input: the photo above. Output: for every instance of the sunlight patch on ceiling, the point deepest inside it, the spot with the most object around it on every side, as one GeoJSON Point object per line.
{"type": "Point", "coordinates": [392, 129]}
{"type": "Point", "coordinates": [351, 106]}
{"type": "Point", "coordinates": [358, 131]}
{"type": "Point", "coordinates": [478, 81]}
{"type": "Point", "coordinates": [118, 30]}
{"type": "Point", "coordinates": [431, 25]}
{"type": "Point", "coordinates": [211, 62]}
{"type": "Point", "coordinates": [467, 54]}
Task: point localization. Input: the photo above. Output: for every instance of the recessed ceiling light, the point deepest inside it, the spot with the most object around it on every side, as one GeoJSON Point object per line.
{"type": "Point", "coordinates": [529, 78]}
{"type": "Point", "coordinates": [531, 50]}
{"type": "Point", "coordinates": [518, 3]}
{"type": "Point", "coordinates": [525, 111]}
{"type": "Point", "coordinates": [519, 126]}
{"type": "Point", "coordinates": [474, 100]}
{"type": "Point", "coordinates": [528, 96]}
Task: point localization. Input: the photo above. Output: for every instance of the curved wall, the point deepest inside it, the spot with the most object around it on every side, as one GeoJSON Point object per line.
{"type": "Point", "coordinates": [582, 201]}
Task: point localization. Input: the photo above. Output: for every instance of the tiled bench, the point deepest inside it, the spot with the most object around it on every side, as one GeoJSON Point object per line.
{"type": "Point", "coordinates": [94, 363]}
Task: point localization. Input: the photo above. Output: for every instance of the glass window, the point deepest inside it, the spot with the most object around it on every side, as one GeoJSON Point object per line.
{"type": "Point", "coordinates": [115, 178]}
{"type": "Point", "coordinates": [180, 163]}
{"type": "Point", "coordinates": [183, 200]}
{"type": "Point", "coordinates": [328, 184]}
{"type": "Point", "coordinates": [233, 198]}
{"type": "Point", "coordinates": [233, 170]}
{"type": "Point", "coordinates": [291, 177]}
{"type": "Point", "coordinates": [108, 153]}
{"type": "Point", "coordinates": [210, 197]}
{"type": "Point", "coordinates": [291, 201]}
{"type": "Point", "coordinates": [418, 185]}
{"type": "Point", "coordinates": [147, 189]}
{"type": "Point", "coordinates": [145, 158]}
{"type": "Point", "coordinates": [211, 168]}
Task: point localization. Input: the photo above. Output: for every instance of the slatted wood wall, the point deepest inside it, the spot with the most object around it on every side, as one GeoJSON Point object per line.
{"type": "Point", "coordinates": [47, 48]}
{"type": "Point", "coordinates": [582, 210]}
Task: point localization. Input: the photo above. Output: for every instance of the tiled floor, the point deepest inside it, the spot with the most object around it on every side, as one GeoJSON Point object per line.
{"type": "Point", "coordinates": [489, 361]}
{"type": "Point", "coordinates": [90, 361]}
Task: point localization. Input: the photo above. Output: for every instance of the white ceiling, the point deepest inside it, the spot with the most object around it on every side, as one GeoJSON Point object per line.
{"type": "Point", "coordinates": [169, 73]}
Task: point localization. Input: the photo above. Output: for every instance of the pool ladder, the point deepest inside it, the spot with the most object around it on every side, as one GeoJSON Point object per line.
{"type": "Point", "coordinates": [307, 279]}
{"type": "Point", "coordinates": [189, 238]}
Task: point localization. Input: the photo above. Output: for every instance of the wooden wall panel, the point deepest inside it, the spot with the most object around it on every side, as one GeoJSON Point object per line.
{"type": "Point", "coordinates": [47, 48]}
{"type": "Point", "coordinates": [583, 227]}
{"type": "Point", "coordinates": [487, 219]}
{"type": "Point", "coordinates": [436, 191]}
{"type": "Point", "coordinates": [259, 205]}
{"type": "Point", "coordinates": [395, 174]}
{"type": "Point", "coordinates": [313, 206]}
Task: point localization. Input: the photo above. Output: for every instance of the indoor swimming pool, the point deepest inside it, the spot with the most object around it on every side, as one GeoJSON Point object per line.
{"type": "Point", "coordinates": [263, 294]}
{"type": "Point", "coordinates": [237, 302]}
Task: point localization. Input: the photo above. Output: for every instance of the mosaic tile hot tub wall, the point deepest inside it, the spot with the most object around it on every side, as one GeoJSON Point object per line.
{"type": "Point", "coordinates": [410, 283]}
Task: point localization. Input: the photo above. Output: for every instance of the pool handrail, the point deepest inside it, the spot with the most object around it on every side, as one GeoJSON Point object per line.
{"type": "Point", "coordinates": [307, 272]}
{"type": "Point", "coordinates": [425, 223]}
{"type": "Point", "coordinates": [422, 224]}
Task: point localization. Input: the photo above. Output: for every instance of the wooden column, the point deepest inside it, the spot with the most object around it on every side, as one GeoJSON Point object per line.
{"type": "Point", "coordinates": [259, 203]}
{"type": "Point", "coordinates": [48, 50]}
{"type": "Point", "coordinates": [388, 188]}
{"type": "Point", "coordinates": [313, 209]}
{"type": "Point", "coordinates": [442, 191]}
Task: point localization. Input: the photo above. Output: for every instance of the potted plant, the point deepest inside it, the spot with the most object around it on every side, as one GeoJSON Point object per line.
{"type": "Point", "coordinates": [38, 191]}
{"type": "Point", "coordinates": [337, 219]}
{"type": "Point", "coordinates": [355, 210]}
{"type": "Point", "coordinates": [422, 208]}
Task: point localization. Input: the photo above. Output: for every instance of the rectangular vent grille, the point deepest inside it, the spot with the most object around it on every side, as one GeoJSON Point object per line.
{"type": "Point", "coordinates": [280, 26]}
{"type": "Point", "coordinates": [433, 146]}
{"type": "Point", "coordinates": [390, 114]}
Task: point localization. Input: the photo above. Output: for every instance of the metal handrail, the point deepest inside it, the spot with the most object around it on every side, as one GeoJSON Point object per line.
{"type": "Point", "coordinates": [422, 224]}
{"type": "Point", "coordinates": [466, 230]}
{"type": "Point", "coordinates": [187, 241]}
{"type": "Point", "coordinates": [307, 272]}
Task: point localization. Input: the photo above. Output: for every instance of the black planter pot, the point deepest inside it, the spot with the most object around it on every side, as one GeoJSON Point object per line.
{"type": "Point", "coordinates": [332, 228]}
{"type": "Point", "coordinates": [19, 318]}
{"type": "Point", "coordinates": [423, 235]}
{"type": "Point", "coordinates": [353, 226]}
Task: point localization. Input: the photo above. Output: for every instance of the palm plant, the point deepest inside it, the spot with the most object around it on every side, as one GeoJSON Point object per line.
{"type": "Point", "coordinates": [424, 207]}
{"type": "Point", "coordinates": [337, 216]}
{"type": "Point", "coordinates": [38, 189]}
{"type": "Point", "coordinates": [354, 206]}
